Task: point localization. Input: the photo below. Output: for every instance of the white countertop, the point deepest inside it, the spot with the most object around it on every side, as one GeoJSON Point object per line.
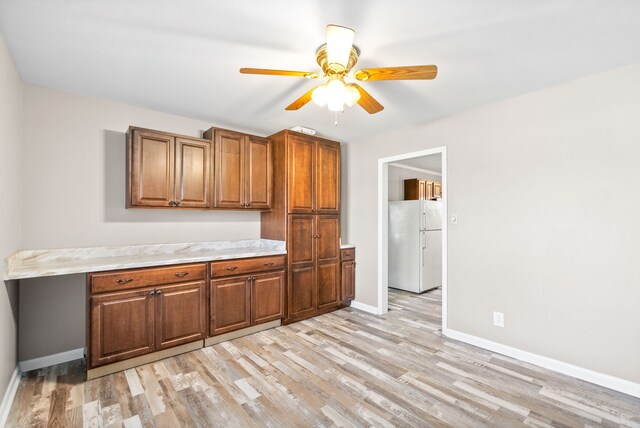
{"type": "Point", "coordinates": [40, 263]}
{"type": "Point", "coordinates": [345, 246]}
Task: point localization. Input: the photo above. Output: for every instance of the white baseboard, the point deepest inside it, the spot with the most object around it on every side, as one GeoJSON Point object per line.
{"type": "Point", "coordinates": [608, 381]}
{"type": "Point", "coordinates": [49, 360]}
{"type": "Point", "coordinates": [9, 395]}
{"type": "Point", "coordinates": [364, 307]}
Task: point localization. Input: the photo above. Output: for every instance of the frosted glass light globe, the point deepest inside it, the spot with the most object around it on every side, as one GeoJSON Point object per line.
{"type": "Point", "coordinates": [320, 96]}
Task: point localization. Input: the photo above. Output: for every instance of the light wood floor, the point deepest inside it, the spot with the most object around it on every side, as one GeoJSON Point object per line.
{"type": "Point", "coordinates": [347, 368]}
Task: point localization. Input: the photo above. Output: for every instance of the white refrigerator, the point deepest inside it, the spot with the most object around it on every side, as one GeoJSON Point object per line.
{"type": "Point", "coordinates": [415, 245]}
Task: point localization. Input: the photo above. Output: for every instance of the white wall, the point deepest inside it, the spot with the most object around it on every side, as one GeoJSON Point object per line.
{"type": "Point", "coordinates": [10, 95]}
{"type": "Point", "coordinates": [556, 246]}
{"type": "Point", "coordinates": [397, 175]}
{"type": "Point", "coordinates": [73, 195]}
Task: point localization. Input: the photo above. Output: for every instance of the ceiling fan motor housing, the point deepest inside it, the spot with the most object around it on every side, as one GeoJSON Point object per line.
{"type": "Point", "coordinates": [329, 69]}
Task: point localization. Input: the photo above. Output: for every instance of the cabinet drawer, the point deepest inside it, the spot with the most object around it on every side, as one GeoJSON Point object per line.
{"type": "Point", "coordinates": [128, 279]}
{"type": "Point", "coordinates": [243, 266]}
{"type": "Point", "coordinates": [348, 254]}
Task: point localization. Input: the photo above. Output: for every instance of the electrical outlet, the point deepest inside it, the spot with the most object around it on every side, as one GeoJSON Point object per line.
{"type": "Point", "coordinates": [454, 219]}
{"type": "Point", "coordinates": [498, 319]}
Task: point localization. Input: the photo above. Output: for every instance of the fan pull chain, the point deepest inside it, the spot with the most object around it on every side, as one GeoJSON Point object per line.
{"type": "Point", "coordinates": [335, 123]}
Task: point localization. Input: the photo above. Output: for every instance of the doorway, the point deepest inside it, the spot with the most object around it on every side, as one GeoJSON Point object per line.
{"type": "Point", "coordinates": [383, 221]}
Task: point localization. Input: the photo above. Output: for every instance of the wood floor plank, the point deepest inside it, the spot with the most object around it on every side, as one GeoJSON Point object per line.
{"type": "Point", "coordinates": [346, 368]}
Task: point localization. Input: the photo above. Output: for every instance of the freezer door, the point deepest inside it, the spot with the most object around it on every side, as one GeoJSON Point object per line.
{"type": "Point", "coordinates": [431, 260]}
{"type": "Point", "coordinates": [431, 216]}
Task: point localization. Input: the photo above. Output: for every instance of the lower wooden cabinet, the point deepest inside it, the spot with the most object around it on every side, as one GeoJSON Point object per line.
{"type": "Point", "coordinates": [314, 265]}
{"type": "Point", "coordinates": [348, 283]}
{"type": "Point", "coordinates": [122, 326]}
{"type": "Point", "coordinates": [267, 297]}
{"type": "Point", "coordinates": [131, 323]}
{"type": "Point", "coordinates": [181, 313]}
{"type": "Point", "coordinates": [230, 302]}
{"type": "Point", "coordinates": [247, 299]}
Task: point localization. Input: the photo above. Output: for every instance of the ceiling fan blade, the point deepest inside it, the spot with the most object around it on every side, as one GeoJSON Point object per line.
{"type": "Point", "coordinates": [307, 74]}
{"type": "Point", "coordinates": [367, 102]}
{"type": "Point", "coordinates": [301, 101]}
{"type": "Point", "coordinates": [411, 72]}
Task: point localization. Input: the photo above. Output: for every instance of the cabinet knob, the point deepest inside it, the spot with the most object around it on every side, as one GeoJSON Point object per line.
{"type": "Point", "coordinates": [152, 293]}
{"type": "Point", "coordinates": [158, 292]}
{"type": "Point", "coordinates": [124, 281]}
{"type": "Point", "coordinates": [172, 203]}
{"type": "Point", "coordinates": [181, 274]}
{"type": "Point", "coordinates": [232, 268]}
{"type": "Point", "coordinates": [269, 264]}
{"type": "Point", "coordinates": [177, 203]}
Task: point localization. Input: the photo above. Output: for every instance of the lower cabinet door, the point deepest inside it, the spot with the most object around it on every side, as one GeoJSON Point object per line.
{"type": "Point", "coordinates": [301, 291]}
{"type": "Point", "coordinates": [267, 297]}
{"type": "Point", "coordinates": [122, 326]}
{"type": "Point", "coordinates": [348, 280]}
{"type": "Point", "coordinates": [181, 314]}
{"type": "Point", "coordinates": [328, 284]}
{"type": "Point", "coordinates": [328, 256]}
{"type": "Point", "coordinates": [230, 304]}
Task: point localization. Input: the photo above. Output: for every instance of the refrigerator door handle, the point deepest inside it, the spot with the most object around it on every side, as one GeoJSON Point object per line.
{"type": "Point", "coordinates": [424, 220]}
{"type": "Point", "coordinates": [423, 250]}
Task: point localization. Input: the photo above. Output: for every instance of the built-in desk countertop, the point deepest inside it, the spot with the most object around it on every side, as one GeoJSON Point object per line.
{"type": "Point", "coordinates": [41, 263]}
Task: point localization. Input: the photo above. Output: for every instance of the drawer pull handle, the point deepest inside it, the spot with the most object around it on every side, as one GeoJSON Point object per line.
{"type": "Point", "coordinates": [181, 274]}
{"type": "Point", "coordinates": [124, 281]}
{"type": "Point", "coordinates": [232, 268]}
{"type": "Point", "coordinates": [269, 264]}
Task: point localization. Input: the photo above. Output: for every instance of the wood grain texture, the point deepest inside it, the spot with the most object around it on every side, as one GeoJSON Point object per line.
{"type": "Point", "coordinates": [407, 72]}
{"type": "Point", "coordinates": [302, 101]}
{"type": "Point", "coordinates": [346, 368]}
{"type": "Point", "coordinates": [367, 102]}
{"type": "Point", "coordinates": [272, 72]}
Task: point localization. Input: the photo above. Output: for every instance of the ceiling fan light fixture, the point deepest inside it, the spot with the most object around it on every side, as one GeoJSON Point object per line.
{"type": "Point", "coordinates": [351, 95]}
{"type": "Point", "coordinates": [339, 44]}
{"type": "Point", "coordinates": [319, 95]}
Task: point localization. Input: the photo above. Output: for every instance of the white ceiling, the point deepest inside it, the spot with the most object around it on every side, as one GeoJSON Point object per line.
{"type": "Point", "coordinates": [183, 57]}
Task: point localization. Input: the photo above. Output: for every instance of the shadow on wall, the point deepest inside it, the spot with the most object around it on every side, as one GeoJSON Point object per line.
{"type": "Point", "coordinates": [115, 181]}
{"type": "Point", "coordinates": [12, 294]}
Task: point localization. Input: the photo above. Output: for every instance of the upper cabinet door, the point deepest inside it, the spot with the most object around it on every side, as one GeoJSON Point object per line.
{"type": "Point", "coordinates": [328, 178]}
{"type": "Point", "coordinates": [193, 173]}
{"type": "Point", "coordinates": [258, 173]}
{"type": "Point", "coordinates": [301, 174]}
{"type": "Point", "coordinates": [229, 155]}
{"type": "Point", "coordinates": [151, 166]}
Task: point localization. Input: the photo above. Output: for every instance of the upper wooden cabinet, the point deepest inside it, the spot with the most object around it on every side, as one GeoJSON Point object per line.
{"type": "Point", "coordinates": [417, 188]}
{"type": "Point", "coordinates": [437, 189]}
{"type": "Point", "coordinates": [314, 175]}
{"type": "Point", "coordinates": [168, 170]}
{"type": "Point", "coordinates": [242, 170]}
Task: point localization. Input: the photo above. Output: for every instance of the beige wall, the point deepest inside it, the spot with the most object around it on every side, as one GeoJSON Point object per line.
{"type": "Point", "coordinates": [10, 96]}
{"type": "Point", "coordinates": [545, 186]}
{"type": "Point", "coordinates": [73, 173]}
{"type": "Point", "coordinates": [397, 175]}
{"type": "Point", "coordinates": [73, 195]}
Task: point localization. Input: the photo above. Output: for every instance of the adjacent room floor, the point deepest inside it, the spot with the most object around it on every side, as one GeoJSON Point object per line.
{"type": "Point", "coordinates": [347, 368]}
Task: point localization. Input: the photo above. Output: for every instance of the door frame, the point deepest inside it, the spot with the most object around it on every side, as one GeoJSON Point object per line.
{"type": "Point", "coordinates": [383, 228]}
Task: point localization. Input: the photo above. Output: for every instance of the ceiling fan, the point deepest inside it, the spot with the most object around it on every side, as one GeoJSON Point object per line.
{"type": "Point", "coordinates": [337, 58]}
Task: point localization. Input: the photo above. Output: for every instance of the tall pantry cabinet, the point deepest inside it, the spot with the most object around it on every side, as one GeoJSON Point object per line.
{"type": "Point", "coordinates": [306, 214]}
